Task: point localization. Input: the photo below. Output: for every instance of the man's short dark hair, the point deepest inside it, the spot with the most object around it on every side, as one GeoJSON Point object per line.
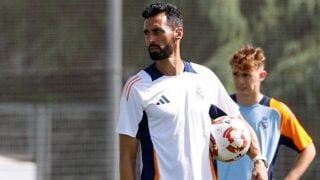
{"type": "Point", "coordinates": [171, 11]}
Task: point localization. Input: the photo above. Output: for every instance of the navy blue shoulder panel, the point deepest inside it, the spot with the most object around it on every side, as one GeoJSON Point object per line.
{"type": "Point", "coordinates": [233, 97]}
{"type": "Point", "coordinates": [154, 73]}
{"type": "Point", "coordinates": [265, 101]}
{"type": "Point", "coordinates": [188, 67]}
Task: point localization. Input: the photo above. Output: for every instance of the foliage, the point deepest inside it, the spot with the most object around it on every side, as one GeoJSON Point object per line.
{"type": "Point", "coordinates": [42, 35]}
{"type": "Point", "coordinates": [51, 34]}
{"type": "Point", "coordinates": [288, 31]}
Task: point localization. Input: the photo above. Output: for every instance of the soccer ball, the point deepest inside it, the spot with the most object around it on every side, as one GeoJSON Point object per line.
{"type": "Point", "coordinates": [229, 138]}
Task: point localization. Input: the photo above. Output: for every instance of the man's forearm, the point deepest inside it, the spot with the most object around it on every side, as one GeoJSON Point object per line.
{"type": "Point", "coordinates": [254, 149]}
{"type": "Point", "coordinates": [302, 163]}
{"type": "Point", "coordinates": [128, 155]}
{"type": "Point", "coordinates": [127, 172]}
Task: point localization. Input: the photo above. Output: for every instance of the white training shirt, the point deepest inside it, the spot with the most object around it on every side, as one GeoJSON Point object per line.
{"type": "Point", "coordinates": [170, 117]}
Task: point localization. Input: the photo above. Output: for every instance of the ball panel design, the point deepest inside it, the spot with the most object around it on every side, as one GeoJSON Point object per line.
{"type": "Point", "coordinates": [229, 139]}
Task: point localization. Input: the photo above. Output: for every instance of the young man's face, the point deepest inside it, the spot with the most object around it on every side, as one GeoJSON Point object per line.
{"type": "Point", "coordinates": [248, 82]}
{"type": "Point", "coordinates": [159, 37]}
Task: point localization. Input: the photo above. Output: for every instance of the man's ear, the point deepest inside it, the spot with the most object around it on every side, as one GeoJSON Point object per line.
{"type": "Point", "coordinates": [178, 33]}
{"type": "Point", "coordinates": [263, 75]}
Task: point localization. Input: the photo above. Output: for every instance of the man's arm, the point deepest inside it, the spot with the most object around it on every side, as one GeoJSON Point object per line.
{"type": "Point", "coordinates": [128, 155]}
{"type": "Point", "coordinates": [254, 149]}
{"type": "Point", "coordinates": [302, 162]}
{"type": "Point", "coordinates": [259, 171]}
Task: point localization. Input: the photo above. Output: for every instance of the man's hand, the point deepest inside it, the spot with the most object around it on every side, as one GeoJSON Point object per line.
{"type": "Point", "coordinates": [260, 171]}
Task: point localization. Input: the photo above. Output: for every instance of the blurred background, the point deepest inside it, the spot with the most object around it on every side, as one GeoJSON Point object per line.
{"type": "Point", "coordinates": [63, 64]}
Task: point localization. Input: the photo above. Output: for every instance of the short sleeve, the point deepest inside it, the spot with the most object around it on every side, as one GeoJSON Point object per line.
{"type": "Point", "coordinates": [131, 111]}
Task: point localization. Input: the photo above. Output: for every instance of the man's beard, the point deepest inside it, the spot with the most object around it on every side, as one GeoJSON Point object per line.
{"type": "Point", "coordinates": [162, 54]}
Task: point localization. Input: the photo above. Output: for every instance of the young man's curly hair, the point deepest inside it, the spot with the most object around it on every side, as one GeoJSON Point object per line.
{"type": "Point", "coordinates": [248, 58]}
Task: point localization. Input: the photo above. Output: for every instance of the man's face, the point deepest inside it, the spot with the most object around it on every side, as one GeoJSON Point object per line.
{"type": "Point", "coordinates": [159, 37]}
{"type": "Point", "coordinates": [248, 82]}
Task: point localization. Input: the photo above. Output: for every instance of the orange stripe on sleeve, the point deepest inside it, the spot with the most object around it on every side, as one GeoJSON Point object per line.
{"type": "Point", "coordinates": [290, 126]}
{"type": "Point", "coordinates": [129, 84]}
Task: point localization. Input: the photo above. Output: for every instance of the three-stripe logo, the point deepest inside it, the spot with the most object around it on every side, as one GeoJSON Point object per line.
{"type": "Point", "coordinates": [163, 100]}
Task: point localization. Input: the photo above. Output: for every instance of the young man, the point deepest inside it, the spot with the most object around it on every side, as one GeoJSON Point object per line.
{"type": "Point", "coordinates": [273, 122]}
{"type": "Point", "coordinates": [165, 107]}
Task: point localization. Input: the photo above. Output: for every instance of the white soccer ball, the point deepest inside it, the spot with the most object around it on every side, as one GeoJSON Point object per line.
{"type": "Point", "coordinates": [229, 139]}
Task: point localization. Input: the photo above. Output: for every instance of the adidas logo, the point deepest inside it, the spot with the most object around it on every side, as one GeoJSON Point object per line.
{"type": "Point", "coordinates": [163, 100]}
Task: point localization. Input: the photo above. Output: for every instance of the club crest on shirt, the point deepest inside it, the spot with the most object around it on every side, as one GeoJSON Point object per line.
{"type": "Point", "coordinates": [199, 93]}
{"type": "Point", "coordinates": [264, 122]}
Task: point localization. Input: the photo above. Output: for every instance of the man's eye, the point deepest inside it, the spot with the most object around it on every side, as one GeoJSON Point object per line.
{"type": "Point", "coordinates": [146, 32]}
{"type": "Point", "coordinates": [157, 31]}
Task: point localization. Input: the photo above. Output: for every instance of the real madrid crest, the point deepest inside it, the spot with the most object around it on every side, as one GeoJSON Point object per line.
{"type": "Point", "coordinates": [199, 93]}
